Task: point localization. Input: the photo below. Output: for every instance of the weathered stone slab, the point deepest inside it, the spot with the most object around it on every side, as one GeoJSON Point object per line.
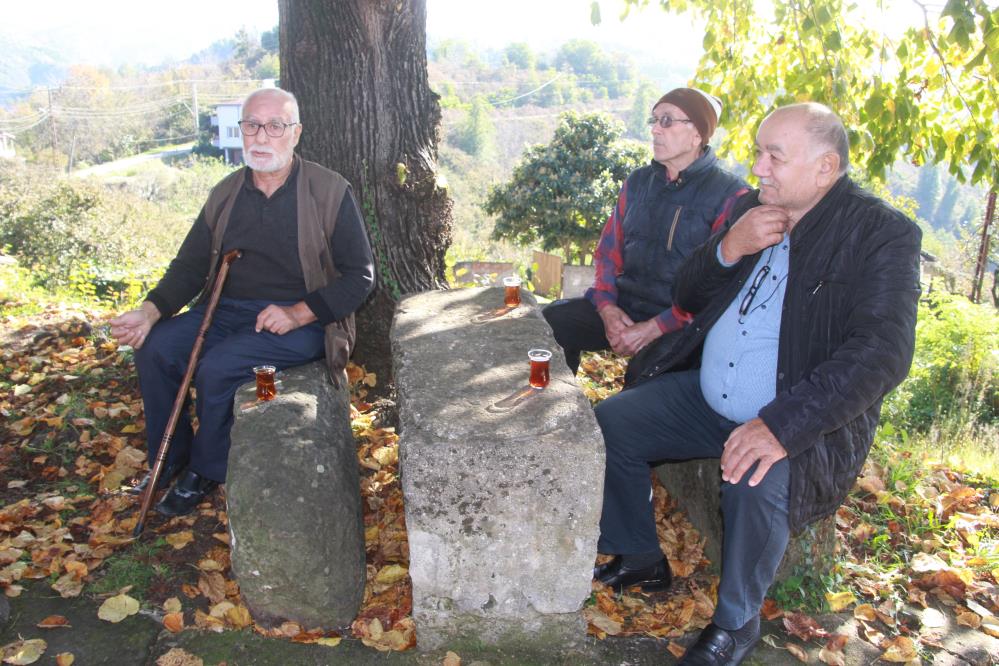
{"type": "Point", "coordinates": [294, 502]}
{"type": "Point", "coordinates": [503, 483]}
{"type": "Point", "coordinates": [697, 486]}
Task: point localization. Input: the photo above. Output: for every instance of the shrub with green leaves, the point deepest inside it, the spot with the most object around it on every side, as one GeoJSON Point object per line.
{"type": "Point", "coordinates": [955, 372]}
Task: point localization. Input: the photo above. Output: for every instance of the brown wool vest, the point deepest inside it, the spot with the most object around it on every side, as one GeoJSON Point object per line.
{"type": "Point", "coordinates": [319, 194]}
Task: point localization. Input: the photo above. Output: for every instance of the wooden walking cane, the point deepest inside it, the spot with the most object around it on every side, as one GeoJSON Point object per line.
{"type": "Point", "coordinates": [178, 404]}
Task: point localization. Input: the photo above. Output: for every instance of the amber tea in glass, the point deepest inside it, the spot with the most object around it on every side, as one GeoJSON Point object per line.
{"type": "Point", "coordinates": [539, 367]}
{"type": "Point", "coordinates": [266, 390]}
{"type": "Point", "coordinates": [511, 295]}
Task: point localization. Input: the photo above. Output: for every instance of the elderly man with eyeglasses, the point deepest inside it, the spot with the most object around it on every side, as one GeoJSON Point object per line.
{"type": "Point", "coordinates": [804, 317]}
{"type": "Point", "coordinates": [306, 266]}
{"type": "Point", "coordinates": [664, 211]}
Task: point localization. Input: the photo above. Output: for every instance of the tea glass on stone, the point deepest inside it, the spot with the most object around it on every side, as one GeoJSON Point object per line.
{"type": "Point", "coordinates": [539, 367]}
{"type": "Point", "coordinates": [511, 294]}
{"type": "Point", "coordinates": [266, 389]}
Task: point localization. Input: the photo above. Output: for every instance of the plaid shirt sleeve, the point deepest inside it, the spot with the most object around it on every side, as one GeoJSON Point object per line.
{"type": "Point", "coordinates": [607, 258]}
{"type": "Point", "coordinates": [676, 318]}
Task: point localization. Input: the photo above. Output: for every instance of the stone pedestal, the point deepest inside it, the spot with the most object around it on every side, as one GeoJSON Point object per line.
{"type": "Point", "coordinates": [696, 484]}
{"type": "Point", "coordinates": [294, 503]}
{"type": "Point", "coordinates": [503, 484]}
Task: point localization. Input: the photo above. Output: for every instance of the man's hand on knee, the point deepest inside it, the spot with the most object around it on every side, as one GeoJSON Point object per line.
{"type": "Point", "coordinates": [281, 319]}
{"type": "Point", "coordinates": [616, 321]}
{"type": "Point", "coordinates": [749, 443]}
{"type": "Point", "coordinates": [634, 338]}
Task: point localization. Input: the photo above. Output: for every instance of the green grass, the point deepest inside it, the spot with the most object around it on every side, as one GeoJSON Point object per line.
{"type": "Point", "coordinates": [134, 567]}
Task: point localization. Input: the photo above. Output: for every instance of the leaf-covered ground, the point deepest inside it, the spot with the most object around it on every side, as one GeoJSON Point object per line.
{"type": "Point", "coordinates": [913, 535]}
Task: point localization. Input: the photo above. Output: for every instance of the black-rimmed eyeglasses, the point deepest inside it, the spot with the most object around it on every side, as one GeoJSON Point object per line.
{"type": "Point", "coordinates": [747, 300]}
{"type": "Point", "coordinates": [666, 121]}
{"type": "Point", "coordinates": [274, 129]}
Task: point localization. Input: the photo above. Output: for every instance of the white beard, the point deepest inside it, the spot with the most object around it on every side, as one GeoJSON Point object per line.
{"type": "Point", "coordinates": [276, 163]}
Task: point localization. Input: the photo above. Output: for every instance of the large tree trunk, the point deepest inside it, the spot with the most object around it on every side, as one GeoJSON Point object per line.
{"type": "Point", "coordinates": [359, 70]}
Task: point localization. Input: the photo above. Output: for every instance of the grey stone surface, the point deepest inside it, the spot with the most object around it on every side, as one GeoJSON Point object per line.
{"type": "Point", "coordinates": [576, 280]}
{"type": "Point", "coordinates": [696, 485]}
{"type": "Point", "coordinates": [502, 483]}
{"type": "Point", "coordinates": [294, 502]}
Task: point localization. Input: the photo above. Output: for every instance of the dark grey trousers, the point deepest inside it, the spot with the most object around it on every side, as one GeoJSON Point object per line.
{"type": "Point", "coordinates": [666, 418]}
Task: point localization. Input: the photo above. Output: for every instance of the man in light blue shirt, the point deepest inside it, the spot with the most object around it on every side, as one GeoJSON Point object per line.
{"type": "Point", "coordinates": [804, 310]}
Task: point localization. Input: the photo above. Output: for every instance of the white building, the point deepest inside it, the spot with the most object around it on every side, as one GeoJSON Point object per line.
{"type": "Point", "coordinates": [228, 137]}
{"type": "Point", "coordinates": [7, 145]}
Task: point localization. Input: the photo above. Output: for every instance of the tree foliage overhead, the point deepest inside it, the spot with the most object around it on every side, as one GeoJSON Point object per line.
{"type": "Point", "coordinates": [930, 94]}
{"type": "Point", "coordinates": [560, 192]}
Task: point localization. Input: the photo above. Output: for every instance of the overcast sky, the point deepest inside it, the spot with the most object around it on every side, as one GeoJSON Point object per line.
{"type": "Point", "coordinates": [109, 32]}
{"type": "Point", "coordinates": [114, 31]}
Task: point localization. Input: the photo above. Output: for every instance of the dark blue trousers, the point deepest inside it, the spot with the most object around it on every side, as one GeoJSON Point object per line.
{"type": "Point", "coordinates": [667, 419]}
{"type": "Point", "coordinates": [230, 351]}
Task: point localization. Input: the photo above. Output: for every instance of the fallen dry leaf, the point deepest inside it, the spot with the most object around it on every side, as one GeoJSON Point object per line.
{"type": "Point", "coordinates": [179, 657]}
{"type": "Point", "coordinates": [65, 659]}
{"type": "Point", "coordinates": [451, 659]}
{"type": "Point", "coordinates": [900, 649]}
{"type": "Point", "coordinates": [180, 539]}
{"type": "Point", "coordinates": [840, 600]}
{"type": "Point", "coordinates": [172, 605]}
{"type": "Point", "coordinates": [831, 657]}
{"type": "Point", "coordinates": [53, 622]}
{"type": "Point", "coordinates": [329, 641]}
{"type": "Point", "coordinates": [117, 608]}
{"type": "Point", "coordinates": [23, 652]}
{"type": "Point", "coordinates": [798, 652]}
{"type": "Point", "coordinates": [174, 622]}
{"type": "Point", "coordinates": [803, 627]}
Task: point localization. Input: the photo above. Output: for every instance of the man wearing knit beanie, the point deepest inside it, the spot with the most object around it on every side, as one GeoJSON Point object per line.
{"type": "Point", "coordinates": [664, 211]}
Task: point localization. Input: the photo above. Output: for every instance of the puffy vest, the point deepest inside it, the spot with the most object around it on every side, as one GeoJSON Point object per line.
{"type": "Point", "coordinates": [663, 223]}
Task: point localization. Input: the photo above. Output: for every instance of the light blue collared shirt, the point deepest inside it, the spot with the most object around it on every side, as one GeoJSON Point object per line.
{"type": "Point", "coordinates": [739, 362]}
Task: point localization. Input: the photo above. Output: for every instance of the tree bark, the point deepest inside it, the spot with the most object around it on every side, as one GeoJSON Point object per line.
{"type": "Point", "coordinates": [359, 71]}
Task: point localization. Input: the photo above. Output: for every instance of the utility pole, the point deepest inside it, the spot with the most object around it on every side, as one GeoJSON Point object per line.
{"type": "Point", "coordinates": [52, 127]}
{"type": "Point", "coordinates": [194, 107]}
{"type": "Point", "coordinates": [983, 250]}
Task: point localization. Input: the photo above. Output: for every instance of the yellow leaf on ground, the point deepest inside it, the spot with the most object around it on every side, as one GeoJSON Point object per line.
{"type": "Point", "coordinates": [172, 605]}
{"type": "Point", "coordinates": [65, 659]}
{"type": "Point", "coordinates": [23, 652]}
{"type": "Point", "coordinates": [131, 429]}
{"type": "Point", "coordinates": [839, 600]}
{"type": "Point", "coordinates": [451, 659]}
{"type": "Point", "coordinates": [220, 609]}
{"type": "Point", "coordinates": [179, 657]}
{"type": "Point", "coordinates": [239, 617]}
{"type": "Point", "coordinates": [117, 608]}
{"type": "Point", "coordinates": [390, 574]}
{"type": "Point", "coordinates": [180, 539]}
{"type": "Point", "coordinates": [329, 642]}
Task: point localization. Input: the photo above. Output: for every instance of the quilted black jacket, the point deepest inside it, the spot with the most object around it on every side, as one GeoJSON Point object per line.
{"type": "Point", "coordinates": [846, 339]}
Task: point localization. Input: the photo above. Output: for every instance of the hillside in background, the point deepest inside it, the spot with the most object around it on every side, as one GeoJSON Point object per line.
{"type": "Point", "coordinates": [495, 103]}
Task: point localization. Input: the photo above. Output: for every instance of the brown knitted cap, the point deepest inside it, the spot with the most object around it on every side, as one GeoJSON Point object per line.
{"type": "Point", "coordinates": [702, 109]}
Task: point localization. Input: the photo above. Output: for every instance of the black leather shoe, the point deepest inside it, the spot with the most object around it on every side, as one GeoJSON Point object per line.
{"type": "Point", "coordinates": [618, 577]}
{"type": "Point", "coordinates": [187, 493]}
{"type": "Point", "coordinates": [607, 569]}
{"type": "Point", "coordinates": [718, 647]}
{"type": "Point", "coordinates": [167, 475]}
